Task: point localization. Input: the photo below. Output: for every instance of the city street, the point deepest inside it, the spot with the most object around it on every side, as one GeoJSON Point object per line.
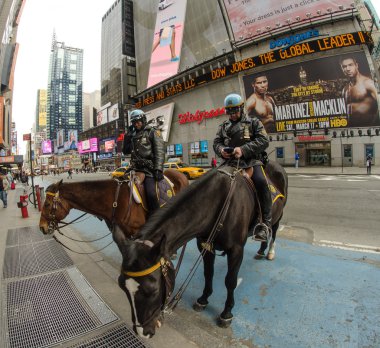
{"type": "Point", "coordinates": [302, 299]}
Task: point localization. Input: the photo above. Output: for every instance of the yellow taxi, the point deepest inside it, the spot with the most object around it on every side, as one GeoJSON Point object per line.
{"type": "Point", "coordinates": [190, 172]}
{"type": "Point", "coordinates": [119, 172]}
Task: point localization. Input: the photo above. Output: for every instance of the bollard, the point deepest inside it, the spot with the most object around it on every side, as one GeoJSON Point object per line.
{"type": "Point", "coordinates": [23, 204]}
{"type": "Point", "coordinates": [38, 197]}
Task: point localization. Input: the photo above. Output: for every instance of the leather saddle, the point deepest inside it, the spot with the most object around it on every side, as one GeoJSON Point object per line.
{"type": "Point", "coordinates": [164, 190]}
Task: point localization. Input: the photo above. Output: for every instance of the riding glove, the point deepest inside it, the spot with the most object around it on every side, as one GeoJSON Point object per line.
{"type": "Point", "coordinates": [158, 175]}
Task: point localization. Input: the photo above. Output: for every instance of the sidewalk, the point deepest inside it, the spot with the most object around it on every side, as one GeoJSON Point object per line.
{"type": "Point", "coordinates": [332, 170]}
{"type": "Point", "coordinates": [101, 276]}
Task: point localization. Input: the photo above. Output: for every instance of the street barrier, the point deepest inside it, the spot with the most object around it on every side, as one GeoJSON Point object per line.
{"type": "Point", "coordinates": [23, 205]}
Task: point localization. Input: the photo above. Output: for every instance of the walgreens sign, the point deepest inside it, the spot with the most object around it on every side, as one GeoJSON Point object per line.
{"type": "Point", "coordinates": [199, 115]}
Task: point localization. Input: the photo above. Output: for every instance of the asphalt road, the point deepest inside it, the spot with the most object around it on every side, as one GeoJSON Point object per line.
{"type": "Point", "coordinates": [334, 208]}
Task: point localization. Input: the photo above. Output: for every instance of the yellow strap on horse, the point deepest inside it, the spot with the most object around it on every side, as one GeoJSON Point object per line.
{"type": "Point", "coordinates": [51, 194]}
{"type": "Point", "coordinates": [145, 272]}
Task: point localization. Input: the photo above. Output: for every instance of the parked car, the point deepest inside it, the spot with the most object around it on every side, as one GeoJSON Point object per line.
{"type": "Point", "coordinates": [190, 172]}
{"type": "Point", "coordinates": [119, 172]}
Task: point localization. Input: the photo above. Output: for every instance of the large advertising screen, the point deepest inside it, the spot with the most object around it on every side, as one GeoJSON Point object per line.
{"type": "Point", "coordinates": [46, 147]}
{"type": "Point", "coordinates": [107, 145]}
{"type": "Point", "coordinates": [250, 17]}
{"type": "Point", "coordinates": [113, 113]}
{"type": "Point", "coordinates": [60, 138]}
{"type": "Point", "coordinates": [331, 92]}
{"type": "Point", "coordinates": [72, 136]}
{"type": "Point", "coordinates": [161, 118]}
{"type": "Point", "coordinates": [102, 117]}
{"type": "Point", "coordinates": [167, 41]}
{"type": "Point", "coordinates": [89, 145]}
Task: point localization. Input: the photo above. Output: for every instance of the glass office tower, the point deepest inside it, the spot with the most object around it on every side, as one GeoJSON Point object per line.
{"type": "Point", "coordinates": [64, 96]}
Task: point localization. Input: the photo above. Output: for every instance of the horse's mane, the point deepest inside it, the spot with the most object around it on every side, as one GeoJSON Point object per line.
{"type": "Point", "coordinates": [177, 202]}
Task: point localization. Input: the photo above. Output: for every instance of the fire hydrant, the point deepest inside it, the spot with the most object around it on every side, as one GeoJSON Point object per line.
{"type": "Point", "coordinates": [23, 204]}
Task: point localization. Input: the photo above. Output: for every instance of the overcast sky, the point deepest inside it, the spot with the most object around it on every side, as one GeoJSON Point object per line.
{"type": "Point", "coordinates": [78, 24]}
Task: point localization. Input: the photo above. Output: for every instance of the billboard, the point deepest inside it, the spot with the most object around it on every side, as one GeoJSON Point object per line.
{"type": "Point", "coordinates": [167, 41]}
{"type": "Point", "coordinates": [102, 117]}
{"type": "Point", "coordinates": [46, 147]}
{"type": "Point", "coordinates": [113, 113]}
{"type": "Point", "coordinates": [89, 145]}
{"type": "Point", "coordinates": [107, 146]}
{"type": "Point", "coordinates": [331, 92]}
{"type": "Point", "coordinates": [60, 138]}
{"type": "Point", "coordinates": [161, 118]}
{"type": "Point", "coordinates": [72, 136]}
{"type": "Point", "coordinates": [248, 18]}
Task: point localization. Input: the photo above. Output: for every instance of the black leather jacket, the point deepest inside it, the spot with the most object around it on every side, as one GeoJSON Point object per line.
{"type": "Point", "coordinates": [249, 134]}
{"type": "Point", "coordinates": [146, 148]}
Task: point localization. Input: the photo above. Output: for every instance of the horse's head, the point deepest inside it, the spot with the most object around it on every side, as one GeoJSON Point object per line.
{"type": "Point", "coordinates": [55, 209]}
{"type": "Point", "coordinates": [148, 278]}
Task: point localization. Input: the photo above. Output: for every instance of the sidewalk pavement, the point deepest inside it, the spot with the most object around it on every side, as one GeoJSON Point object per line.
{"type": "Point", "coordinates": [100, 274]}
{"type": "Point", "coordinates": [375, 170]}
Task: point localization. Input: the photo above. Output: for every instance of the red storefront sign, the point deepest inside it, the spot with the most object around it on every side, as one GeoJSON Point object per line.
{"type": "Point", "coordinates": [311, 137]}
{"type": "Point", "coordinates": [199, 116]}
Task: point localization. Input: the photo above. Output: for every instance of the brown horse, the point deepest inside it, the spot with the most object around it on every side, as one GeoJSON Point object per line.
{"type": "Point", "coordinates": [97, 197]}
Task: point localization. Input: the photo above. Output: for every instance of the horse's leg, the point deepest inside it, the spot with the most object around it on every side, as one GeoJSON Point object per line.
{"type": "Point", "coordinates": [235, 257]}
{"type": "Point", "coordinates": [271, 252]}
{"type": "Point", "coordinates": [208, 272]}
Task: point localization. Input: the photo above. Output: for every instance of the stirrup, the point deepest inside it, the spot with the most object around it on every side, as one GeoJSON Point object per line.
{"type": "Point", "coordinates": [268, 232]}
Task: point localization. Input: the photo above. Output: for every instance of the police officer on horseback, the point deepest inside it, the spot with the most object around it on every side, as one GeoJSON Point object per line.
{"type": "Point", "coordinates": [145, 145]}
{"type": "Point", "coordinates": [241, 141]}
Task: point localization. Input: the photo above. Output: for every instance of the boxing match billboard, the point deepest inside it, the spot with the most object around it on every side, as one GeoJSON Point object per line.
{"type": "Point", "coordinates": [249, 18]}
{"type": "Point", "coordinates": [167, 41]}
{"type": "Point", "coordinates": [332, 92]}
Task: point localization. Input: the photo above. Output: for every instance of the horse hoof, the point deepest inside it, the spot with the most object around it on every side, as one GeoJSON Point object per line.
{"type": "Point", "coordinates": [199, 307]}
{"type": "Point", "coordinates": [224, 323]}
{"type": "Point", "coordinates": [271, 256]}
{"type": "Point", "coordinates": [259, 255]}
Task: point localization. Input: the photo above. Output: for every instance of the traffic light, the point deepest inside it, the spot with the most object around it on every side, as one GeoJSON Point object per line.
{"type": "Point", "coordinates": [360, 132]}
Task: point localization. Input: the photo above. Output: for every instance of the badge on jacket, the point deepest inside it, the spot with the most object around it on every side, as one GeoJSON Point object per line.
{"type": "Point", "coordinates": [158, 132]}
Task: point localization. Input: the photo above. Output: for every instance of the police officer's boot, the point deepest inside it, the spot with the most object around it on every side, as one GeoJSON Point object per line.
{"type": "Point", "coordinates": [151, 195]}
{"type": "Point", "coordinates": [263, 231]}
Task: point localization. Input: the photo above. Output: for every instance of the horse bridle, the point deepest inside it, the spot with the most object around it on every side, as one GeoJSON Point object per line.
{"type": "Point", "coordinates": [165, 266]}
{"type": "Point", "coordinates": [52, 219]}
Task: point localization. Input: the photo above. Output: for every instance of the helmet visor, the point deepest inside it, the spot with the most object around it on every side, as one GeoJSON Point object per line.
{"type": "Point", "coordinates": [232, 110]}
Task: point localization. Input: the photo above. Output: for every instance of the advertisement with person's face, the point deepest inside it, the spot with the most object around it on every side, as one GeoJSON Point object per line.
{"type": "Point", "coordinates": [333, 92]}
{"type": "Point", "coordinates": [89, 145]}
{"type": "Point", "coordinates": [113, 113]}
{"type": "Point", "coordinates": [72, 136]}
{"type": "Point", "coordinates": [167, 41]}
{"type": "Point", "coordinates": [101, 117]}
{"type": "Point", "coordinates": [161, 118]}
{"type": "Point", "coordinates": [249, 16]}
{"type": "Point", "coordinates": [46, 147]}
{"type": "Point", "coordinates": [60, 138]}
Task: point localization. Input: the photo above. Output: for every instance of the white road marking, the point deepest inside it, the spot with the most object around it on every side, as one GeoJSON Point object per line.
{"type": "Point", "coordinates": [348, 246]}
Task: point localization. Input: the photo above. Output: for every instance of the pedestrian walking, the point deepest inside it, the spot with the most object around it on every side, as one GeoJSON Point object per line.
{"type": "Point", "coordinates": [4, 186]}
{"type": "Point", "coordinates": [296, 159]}
{"type": "Point", "coordinates": [369, 164]}
{"type": "Point", "coordinates": [70, 174]}
{"type": "Point", "coordinates": [213, 162]}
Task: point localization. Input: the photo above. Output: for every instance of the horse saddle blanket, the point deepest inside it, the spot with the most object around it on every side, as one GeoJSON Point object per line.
{"type": "Point", "coordinates": [164, 191]}
{"type": "Point", "coordinates": [247, 174]}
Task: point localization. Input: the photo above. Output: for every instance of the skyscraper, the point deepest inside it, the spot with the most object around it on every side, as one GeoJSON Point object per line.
{"type": "Point", "coordinates": [64, 96]}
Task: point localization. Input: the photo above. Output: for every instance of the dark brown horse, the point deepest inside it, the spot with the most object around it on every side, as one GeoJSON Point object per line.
{"type": "Point", "coordinates": [218, 210]}
{"type": "Point", "coordinates": [97, 197]}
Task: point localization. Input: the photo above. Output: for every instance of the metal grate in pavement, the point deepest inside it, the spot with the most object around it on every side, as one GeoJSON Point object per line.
{"type": "Point", "coordinates": [29, 252]}
{"type": "Point", "coordinates": [120, 336]}
{"type": "Point", "coordinates": [51, 308]}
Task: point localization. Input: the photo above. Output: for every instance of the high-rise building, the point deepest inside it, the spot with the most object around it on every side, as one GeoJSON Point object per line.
{"type": "Point", "coordinates": [41, 110]}
{"type": "Point", "coordinates": [91, 103]}
{"type": "Point", "coordinates": [64, 94]}
{"type": "Point", "coordinates": [10, 13]}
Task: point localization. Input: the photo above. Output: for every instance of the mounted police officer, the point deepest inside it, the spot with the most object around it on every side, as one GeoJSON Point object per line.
{"type": "Point", "coordinates": [240, 141]}
{"type": "Point", "coordinates": [146, 146]}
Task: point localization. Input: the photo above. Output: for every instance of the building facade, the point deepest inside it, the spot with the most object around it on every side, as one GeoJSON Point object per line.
{"type": "Point", "coordinates": [10, 14]}
{"type": "Point", "coordinates": [304, 57]}
{"type": "Point", "coordinates": [91, 103]}
{"type": "Point", "coordinates": [41, 110]}
{"type": "Point", "coordinates": [64, 93]}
